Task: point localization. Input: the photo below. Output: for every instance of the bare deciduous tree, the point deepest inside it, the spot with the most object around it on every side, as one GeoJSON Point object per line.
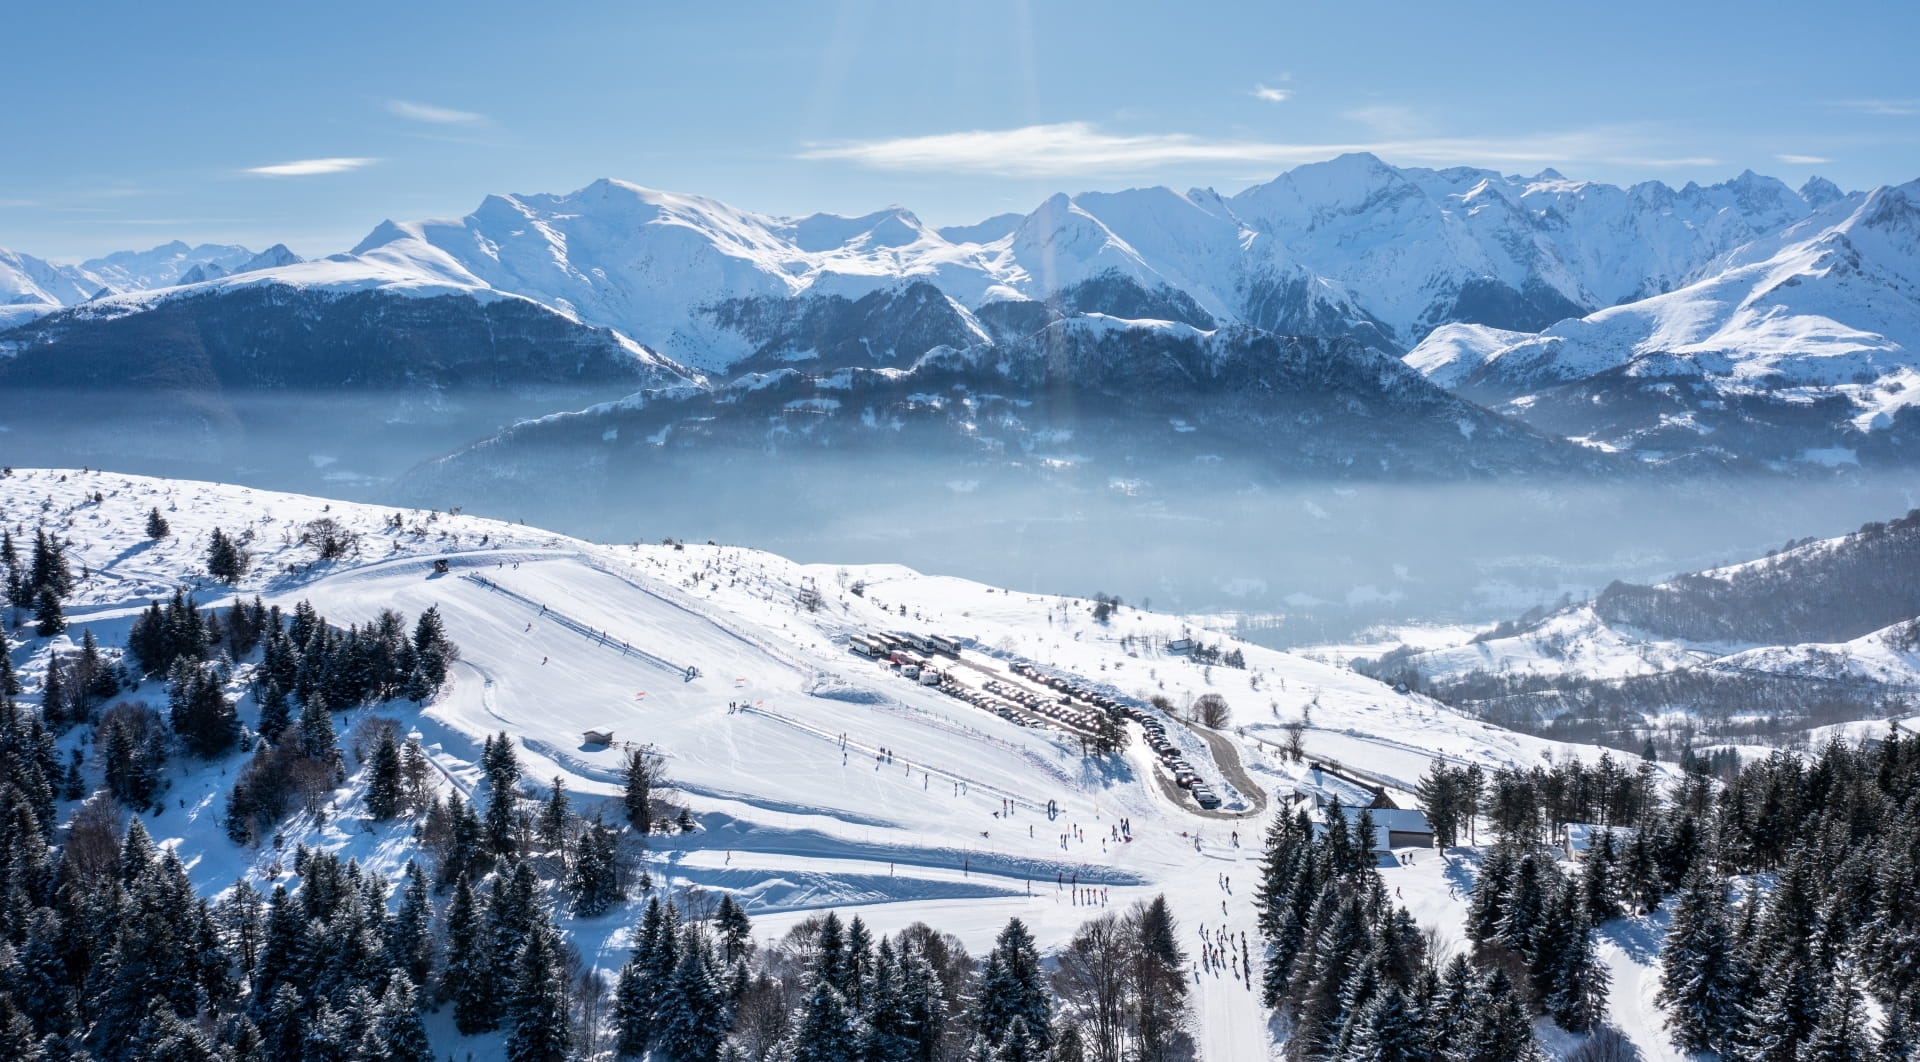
{"type": "Point", "coordinates": [1211, 710]}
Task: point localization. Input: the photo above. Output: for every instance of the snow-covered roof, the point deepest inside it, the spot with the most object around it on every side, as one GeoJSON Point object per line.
{"type": "Point", "coordinates": [1325, 786]}
{"type": "Point", "coordinates": [1399, 821]}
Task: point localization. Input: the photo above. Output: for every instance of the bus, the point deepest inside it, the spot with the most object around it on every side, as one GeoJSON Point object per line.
{"type": "Point", "coordinates": [865, 647]}
{"type": "Point", "coordinates": [917, 641]}
{"type": "Point", "coordinates": [940, 643]}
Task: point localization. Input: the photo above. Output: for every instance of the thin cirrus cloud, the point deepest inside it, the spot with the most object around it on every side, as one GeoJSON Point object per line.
{"type": "Point", "coordinates": [1271, 94]}
{"type": "Point", "coordinates": [1889, 108]}
{"type": "Point", "coordinates": [427, 112]}
{"type": "Point", "coordinates": [1071, 148]}
{"type": "Point", "coordinates": [310, 167]}
{"type": "Point", "coordinates": [1803, 160]}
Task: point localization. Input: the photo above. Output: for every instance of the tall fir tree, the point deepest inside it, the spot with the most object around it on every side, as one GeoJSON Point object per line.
{"type": "Point", "coordinates": [539, 1029]}
{"type": "Point", "coordinates": [469, 979]}
{"type": "Point", "coordinates": [1698, 980]}
{"type": "Point", "coordinates": [824, 1029]}
{"type": "Point", "coordinates": [1014, 986]}
{"type": "Point", "coordinates": [48, 618]}
{"type": "Point", "coordinates": [409, 942]}
{"type": "Point", "coordinates": [397, 1034]}
{"type": "Point", "coordinates": [1575, 992]}
{"type": "Point", "coordinates": [383, 778]}
{"type": "Point", "coordinates": [691, 1019]}
{"type": "Point", "coordinates": [595, 879]}
{"type": "Point", "coordinates": [1840, 1034]}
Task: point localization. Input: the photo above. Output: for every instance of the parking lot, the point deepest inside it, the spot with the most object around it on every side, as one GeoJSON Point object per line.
{"type": "Point", "coordinates": [1029, 696]}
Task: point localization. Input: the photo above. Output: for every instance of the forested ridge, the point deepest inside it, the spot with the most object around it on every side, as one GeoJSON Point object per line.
{"type": "Point", "coordinates": [1830, 591]}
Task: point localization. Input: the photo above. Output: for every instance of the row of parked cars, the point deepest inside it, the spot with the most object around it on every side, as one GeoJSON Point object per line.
{"type": "Point", "coordinates": [989, 702]}
{"type": "Point", "coordinates": [1061, 710]}
{"type": "Point", "coordinates": [1156, 730]}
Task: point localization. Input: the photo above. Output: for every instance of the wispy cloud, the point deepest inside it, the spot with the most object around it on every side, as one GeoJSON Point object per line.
{"type": "Point", "coordinates": [1075, 148]}
{"type": "Point", "coordinates": [310, 167]}
{"type": "Point", "coordinates": [1893, 108]}
{"type": "Point", "coordinates": [166, 221]}
{"type": "Point", "coordinates": [1802, 160]}
{"type": "Point", "coordinates": [1272, 95]}
{"type": "Point", "coordinates": [427, 112]}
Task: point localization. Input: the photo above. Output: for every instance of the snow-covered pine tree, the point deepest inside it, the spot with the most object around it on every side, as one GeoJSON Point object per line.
{"type": "Point", "coordinates": [157, 527]}
{"type": "Point", "coordinates": [1598, 878]}
{"type": "Point", "coordinates": [1499, 1030]}
{"type": "Point", "coordinates": [1385, 1029]}
{"type": "Point", "coordinates": [595, 879]}
{"type": "Point", "coordinates": [644, 977]}
{"type": "Point", "coordinates": [48, 619]}
{"type": "Point", "coordinates": [469, 979]}
{"type": "Point", "coordinates": [1439, 793]}
{"type": "Point", "coordinates": [859, 969]}
{"type": "Point", "coordinates": [226, 561]}
{"type": "Point", "coordinates": [383, 778]}
{"type": "Point", "coordinates": [1777, 1020]}
{"type": "Point", "coordinates": [1487, 903]}
{"type": "Point", "coordinates": [923, 1002]}
{"type": "Point", "coordinates": [503, 774]}
{"type": "Point", "coordinates": [1890, 940]}
{"type": "Point", "coordinates": [639, 784]}
{"type": "Point", "coordinates": [824, 1027]}
{"type": "Point", "coordinates": [1020, 1044]}
{"type": "Point", "coordinates": [554, 818]}
{"type": "Point", "coordinates": [1896, 1041]}
{"type": "Point", "coordinates": [538, 1025]}
{"type": "Point", "coordinates": [735, 928]}
{"type": "Point", "coordinates": [1575, 992]}
{"type": "Point", "coordinates": [397, 1033]}
{"type": "Point", "coordinates": [1841, 1033]}
{"type": "Point", "coordinates": [1012, 986]}
{"type": "Point", "coordinates": [1698, 980]}
{"type": "Point", "coordinates": [692, 1013]}
{"type": "Point", "coordinates": [886, 1024]}
{"type": "Point", "coordinates": [1640, 874]}
{"type": "Point", "coordinates": [409, 938]}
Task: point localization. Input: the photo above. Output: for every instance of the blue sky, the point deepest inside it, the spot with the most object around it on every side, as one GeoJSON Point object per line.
{"type": "Point", "coordinates": [132, 123]}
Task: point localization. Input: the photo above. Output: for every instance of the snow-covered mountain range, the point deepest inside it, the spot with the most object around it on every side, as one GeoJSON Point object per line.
{"type": "Point", "coordinates": [1351, 242]}
{"type": "Point", "coordinates": [33, 287]}
{"type": "Point", "coordinates": [1645, 318]}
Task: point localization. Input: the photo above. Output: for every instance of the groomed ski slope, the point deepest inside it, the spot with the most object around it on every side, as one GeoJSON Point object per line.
{"type": "Point", "coordinates": [777, 745]}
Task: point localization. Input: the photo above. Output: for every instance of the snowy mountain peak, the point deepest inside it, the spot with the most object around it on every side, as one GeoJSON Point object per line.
{"type": "Point", "coordinates": [1818, 192]}
{"type": "Point", "coordinates": [892, 227]}
{"type": "Point", "coordinates": [272, 258]}
{"type": "Point", "coordinates": [162, 266]}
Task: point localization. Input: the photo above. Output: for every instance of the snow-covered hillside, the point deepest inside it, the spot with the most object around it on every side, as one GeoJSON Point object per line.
{"type": "Point", "coordinates": [1777, 648]}
{"type": "Point", "coordinates": [818, 778]}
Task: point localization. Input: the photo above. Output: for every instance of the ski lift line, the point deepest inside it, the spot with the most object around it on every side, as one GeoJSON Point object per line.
{"type": "Point", "coordinates": [689, 606]}
{"type": "Point", "coordinates": [922, 717]}
{"type": "Point", "coordinates": [599, 637]}
{"type": "Point", "coordinates": [948, 776]}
